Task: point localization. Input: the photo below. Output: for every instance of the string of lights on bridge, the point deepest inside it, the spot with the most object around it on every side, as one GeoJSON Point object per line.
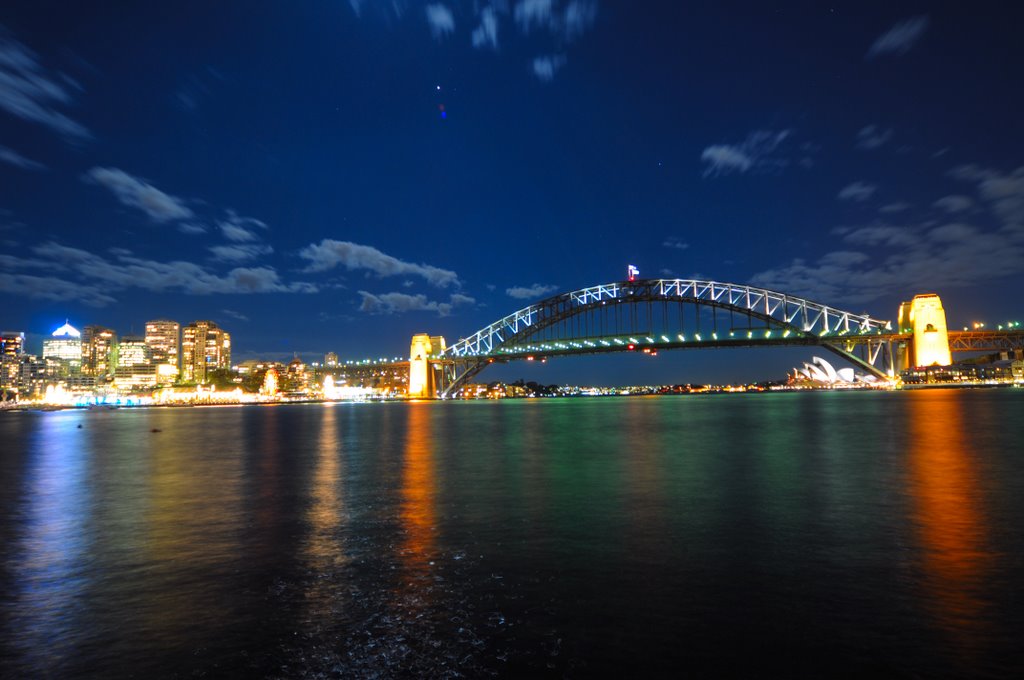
{"type": "Point", "coordinates": [978, 325]}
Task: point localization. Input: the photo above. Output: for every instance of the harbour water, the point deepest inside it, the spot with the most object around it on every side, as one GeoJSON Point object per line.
{"type": "Point", "coordinates": [815, 534]}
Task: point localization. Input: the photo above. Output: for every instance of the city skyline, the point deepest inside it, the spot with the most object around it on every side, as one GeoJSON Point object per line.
{"type": "Point", "coordinates": [341, 177]}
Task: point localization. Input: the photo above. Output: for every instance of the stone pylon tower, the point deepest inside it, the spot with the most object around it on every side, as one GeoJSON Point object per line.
{"type": "Point", "coordinates": [925, 318]}
{"type": "Point", "coordinates": [422, 383]}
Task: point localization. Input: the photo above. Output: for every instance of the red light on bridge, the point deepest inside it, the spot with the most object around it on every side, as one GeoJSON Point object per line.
{"type": "Point", "coordinates": [631, 347]}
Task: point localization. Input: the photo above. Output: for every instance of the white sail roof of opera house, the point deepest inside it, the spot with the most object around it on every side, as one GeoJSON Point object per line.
{"type": "Point", "coordinates": [66, 331]}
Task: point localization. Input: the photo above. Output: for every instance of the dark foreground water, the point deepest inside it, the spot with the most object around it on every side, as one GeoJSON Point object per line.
{"type": "Point", "coordinates": [829, 534]}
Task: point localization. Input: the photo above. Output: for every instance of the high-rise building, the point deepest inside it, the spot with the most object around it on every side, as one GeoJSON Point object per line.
{"type": "Point", "coordinates": [204, 347]}
{"type": "Point", "coordinates": [163, 338]}
{"type": "Point", "coordinates": [331, 359]}
{"type": "Point", "coordinates": [134, 366]}
{"type": "Point", "coordinates": [12, 347]}
{"type": "Point", "coordinates": [99, 351]}
{"type": "Point", "coordinates": [12, 343]}
{"type": "Point", "coordinates": [62, 351]}
{"type": "Point", "coordinates": [133, 351]}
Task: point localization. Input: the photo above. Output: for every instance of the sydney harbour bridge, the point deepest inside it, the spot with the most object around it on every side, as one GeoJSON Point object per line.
{"type": "Point", "coordinates": [653, 315]}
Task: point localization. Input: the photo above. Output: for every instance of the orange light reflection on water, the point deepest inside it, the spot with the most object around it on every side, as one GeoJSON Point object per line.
{"type": "Point", "coordinates": [418, 489]}
{"type": "Point", "coordinates": [948, 513]}
{"type": "Point", "coordinates": [325, 512]}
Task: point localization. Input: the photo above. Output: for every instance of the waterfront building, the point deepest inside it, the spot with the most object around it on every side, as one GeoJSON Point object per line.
{"type": "Point", "coordinates": [163, 337]}
{"type": "Point", "coordinates": [32, 376]}
{"type": "Point", "coordinates": [296, 378]}
{"type": "Point", "coordinates": [12, 343]}
{"type": "Point", "coordinates": [62, 352]}
{"type": "Point", "coordinates": [99, 351]}
{"type": "Point", "coordinates": [204, 347]}
{"type": "Point", "coordinates": [12, 347]}
{"type": "Point", "coordinates": [134, 364]}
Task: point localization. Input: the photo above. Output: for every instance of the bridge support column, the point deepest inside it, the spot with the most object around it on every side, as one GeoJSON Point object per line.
{"type": "Point", "coordinates": [926, 319]}
{"type": "Point", "coordinates": [422, 381]}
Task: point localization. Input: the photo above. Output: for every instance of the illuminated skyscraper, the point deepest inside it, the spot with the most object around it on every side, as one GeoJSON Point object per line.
{"type": "Point", "coordinates": [132, 351]}
{"type": "Point", "coordinates": [204, 347]}
{"type": "Point", "coordinates": [12, 347]}
{"type": "Point", "coordinates": [162, 338]}
{"type": "Point", "coordinates": [12, 343]}
{"type": "Point", "coordinates": [62, 352]}
{"type": "Point", "coordinates": [331, 359]}
{"type": "Point", "coordinates": [99, 346]}
{"type": "Point", "coordinates": [134, 368]}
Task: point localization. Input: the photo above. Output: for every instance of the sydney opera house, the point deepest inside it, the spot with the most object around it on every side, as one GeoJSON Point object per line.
{"type": "Point", "coordinates": [820, 372]}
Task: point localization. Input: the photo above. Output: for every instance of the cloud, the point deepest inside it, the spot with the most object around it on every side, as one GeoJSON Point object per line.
{"type": "Point", "coordinates": [12, 157]}
{"type": "Point", "coordinates": [533, 13]}
{"type": "Point", "coordinates": [857, 191]}
{"type": "Point", "coordinates": [137, 193]}
{"type": "Point", "coordinates": [723, 159]}
{"type": "Point", "coordinates": [126, 271]}
{"type": "Point", "coordinates": [549, 26]}
{"type": "Point", "coordinates": [330, 253]}
{"type": "Point", "coordinates": [917, 257]}
{"type": "Point", "coordinates": [237, 228]}
{"type": "Point", "coordinates": [191, 228]}
{"type": "Point", "coordinates": [871, 137]}
{"type": "Point", "coordinates": [239, 252]}
{"type": "Point", "coordinates": [486, 34]}
{"type": "Point", "coordinates": [236, 233]}
{"type": "Point", "coordinates": [52, 288]}
{"type": "Point", "coordinates": [441, 20]}
{"type": "Point", "coordinates": [881, 234]}
{"type": "Point", "coordinates": [579, 16]}
{"type": "Point", "coordinates": [537, 290]}
{"type": "Point", "coordinates": [675, 242]}
{"type": "Point", "coordinates": [900, 38]}
{"type": "Point", "coordinates": [898, 206]}
{"type": "Point", "coordinates": [964, 262]}
{"type": "Point", "coordinates": [399, 303]}
{"type": "Point", "coordinates": [234, 315]}
{"type": "Point", "coordinates": [545, 67]}
{"type": "Point", "coordinates": [756, 151]}
{"type": "Point", "coordinates": [29, 92]}
{"type": "Point", "coordinates": [1002, 192]}
{"type": "Point", "coordinates": [954, 203]}
{"type": "Point", "coordinates": [14, 262]}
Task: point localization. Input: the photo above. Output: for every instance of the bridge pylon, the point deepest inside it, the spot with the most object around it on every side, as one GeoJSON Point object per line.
{"type": "Point", "coordinates": [423, 352]}
{"type": "Point", "coordinates": [924, 320]}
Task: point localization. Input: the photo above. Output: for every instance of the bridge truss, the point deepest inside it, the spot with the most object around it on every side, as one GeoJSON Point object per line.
{"type": "Point", "coordinates": [986, 341]}
{"type": "Point", "coordinates": [653, 314]}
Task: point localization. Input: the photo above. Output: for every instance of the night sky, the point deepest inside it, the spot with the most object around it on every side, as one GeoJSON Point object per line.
{"type": "Point", "coordinates": [338, 175]}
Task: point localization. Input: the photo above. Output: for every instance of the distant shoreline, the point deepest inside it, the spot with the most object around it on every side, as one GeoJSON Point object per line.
{"type": "Point", "coordinates": [17, 407]}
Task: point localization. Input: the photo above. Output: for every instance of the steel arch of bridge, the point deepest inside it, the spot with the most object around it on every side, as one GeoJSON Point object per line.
{"type": "Point", "coordinates": [801, 322]}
